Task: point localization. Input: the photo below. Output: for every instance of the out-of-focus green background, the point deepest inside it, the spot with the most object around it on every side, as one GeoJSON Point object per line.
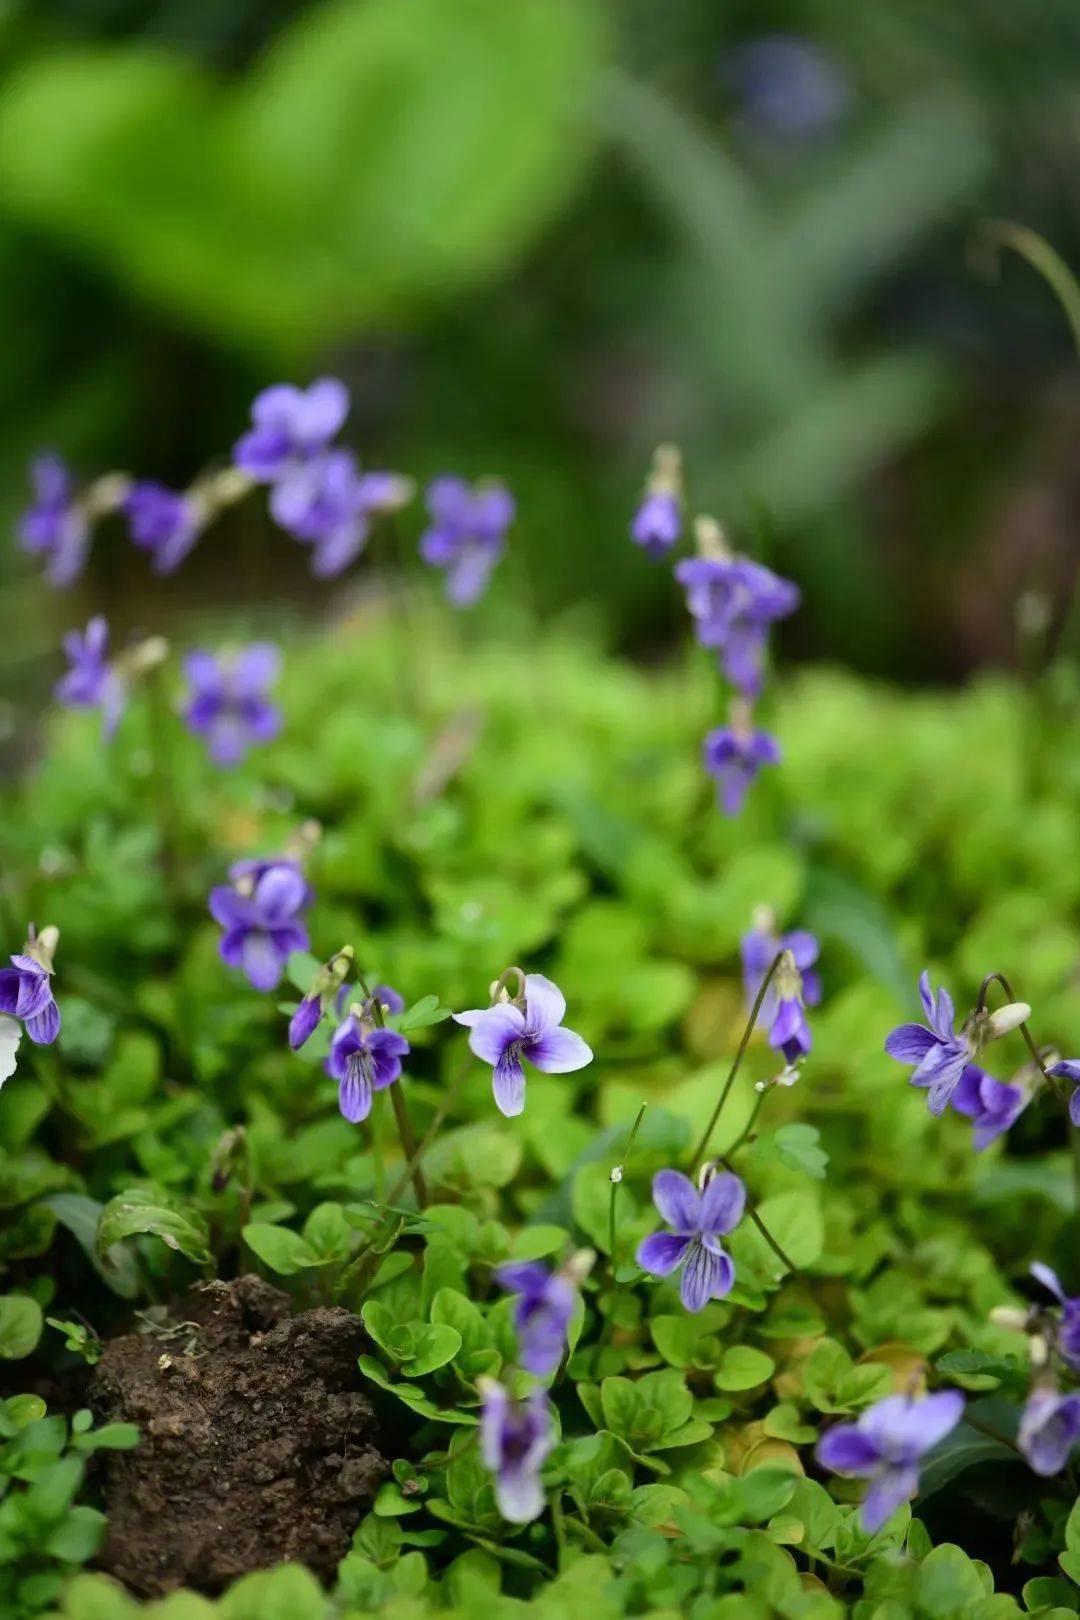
{"type": "Point", "coordinates": [536, 236]}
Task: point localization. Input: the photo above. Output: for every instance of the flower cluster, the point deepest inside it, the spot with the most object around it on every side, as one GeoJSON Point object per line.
{"type": "Point", "coordinates": [527, 1028]}
{"type": "Point", "coordinates": [947, 1061]}
{"type": "Point", "coordinates": [466, 534]}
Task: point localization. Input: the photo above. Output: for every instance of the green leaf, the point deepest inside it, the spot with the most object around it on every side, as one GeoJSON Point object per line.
{"type": "Point", "coordinates": [534, 1242]}
{"type": "Point", "coordinates": [179, 1226]}
{"type": "Point", "coordinates": [327, 1233]}
{"type": "Point", "coordinates": [421, 1015]}
{"type": "Point", "coordinates": [436, 1344]}
{"type": "Point", "coordinates": [20, 1326]}
{"type": "Point", "coordinates": [119, 1266]}
{"type": "Point", "coordinates": [280, 1248]}
{"type": "Point", "coordinates": [743, 1367]}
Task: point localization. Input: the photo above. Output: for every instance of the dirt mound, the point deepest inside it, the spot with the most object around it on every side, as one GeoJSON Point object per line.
{"type": "Point", "coordinates": [258, 1443]}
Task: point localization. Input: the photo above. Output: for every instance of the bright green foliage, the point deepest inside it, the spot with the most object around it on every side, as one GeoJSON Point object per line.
{"type": "Point", "coordinates": [535, 803]}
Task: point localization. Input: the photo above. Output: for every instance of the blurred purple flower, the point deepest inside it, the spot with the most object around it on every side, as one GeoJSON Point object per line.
{"type": "Point", "coordinates": [164, 523]}
{"type": "Point", "coordinates": [697, 1221]}
{"type": "Point", "coordinates": [545, 1303]}
{"type": "Point", "coordinates": [1068, 1334]}
{"type": "Point", "coordinates": [1049, 1429]}
{"type": "Point", "coordinates": [261, 911]}
{"type": "Point", "coordinates": [516, 1438]}
{"type": "Point", "coordinates": [789, 88]}
{"type": "Point", "coordinates": [1069, 1069]}
{"type": "Point", "coordinates": [91, 682]}
{"type": "Point", "coordinates": [363, 1060]}
{"type": "Point", "coordinates": [26, 994]}
{"type": "Point", "coordinates": [290, 426]}
{"type": "Point", "coordinates": [466, 534]}
{"type": "Point", "coordinates": [55, 524]}
{"type": "Point", "coordinates": [886, 1444]}
{"type": "Point", "coordinates": [657, 523]}
{"type": "Point", "coordinates": [733, 601]}
{"type": "Point", "coordinates": [227, 701]}
{"type": "Point", "coordinates": [505, 1034]}
{"type": "Point", "coordinates": [734, 755]}
{"type": "Point", "coordinates": [759, 948]}
{"type": "Point", "coordinates": [991, 1105]}
{"type": "Point", "coordinates": [321, 501]}
{"type": "Point", "coordinates": [940, 1055]}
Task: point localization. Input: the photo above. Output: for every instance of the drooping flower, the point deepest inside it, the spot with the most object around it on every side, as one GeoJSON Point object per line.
{"type": "Point", "coordinates": [164, 523]}
{"type": "Point", "coordinates": [261, 910]}
{"type": "Point", "coordinates": [1049, 1429]}
{"type": "Point", "coordinates": [759, 948]}
{"type": "Point", "coordinates": [733, 601]}
{"type": "Point", "coordinates": [326, 990]}
{"type": "Point", "coordinates": [886, 1444]}
{"type": "Point", "coordinates": [363, 1059]}
{"type": "Point", "coordinates": [657, 523]}
{"type": "Point", "coordinates": [1067, 1337]}
{"type": "Point", "coordinates": [1069, 1069]}
{"type": "Point", "coordinates": [91, 681]}
{"type": "Point", "coordinates": [734, 755]}
{"type": "Point", "coordinates": [940, 1053]}
{"type": "Point", "coordinates": [56, 525]}
{"type": "Point", "coordinates": [697, 1221]}
{"type": "Point", "coordinates": [527, 1028]}
{"type": "Point", "coordinates": [466, 535]}
{"type": "Point", "coordinates": [991, 1105]}
{"type": "Point", "coordinates": [227, 702]}
{"type": "Point", "coordinates": [290, 425]}
{"type": "Point", "coordinates": [545, 1303]}
{"type": "Point", "coordinates": [516, 1439]}
{"type": "Point", "coordinates": [26, 991]}
{"type": "Point", "coordinates": [789, 1031]}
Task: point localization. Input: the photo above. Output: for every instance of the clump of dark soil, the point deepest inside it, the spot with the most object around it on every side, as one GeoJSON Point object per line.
{"type": "Point", "coordinates": [258, 1443]}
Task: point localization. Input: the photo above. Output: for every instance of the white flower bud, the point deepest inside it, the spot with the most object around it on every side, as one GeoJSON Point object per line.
{"type": "Point", "coordinates": [1009, 1316]}
{"type": "Point", "coordinates": [1038, 1350]}
{"type": "Point", "coordinates": [759, 1086]}
{"type": "Point", "coordinates": [616, 1173]}
{"type": "Point", "coordinates": [1008, 1018]}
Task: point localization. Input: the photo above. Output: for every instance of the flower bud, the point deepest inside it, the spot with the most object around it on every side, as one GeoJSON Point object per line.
{"type": "Point", "coordinates": [1009, 1316]}
{"type": "Point", "coordinates": [1008, 1018]}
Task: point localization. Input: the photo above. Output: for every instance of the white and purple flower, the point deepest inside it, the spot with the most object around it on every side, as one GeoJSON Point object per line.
{"type": "Point", "coordinates": [364, 1059]}
{"type": "Point", "coordinates": [164, 523]}
{"type": "Point", "coordinates": [1049, 1429]}
{"type": "Point", "coordinates": [698, 1220]}
{"type": "Point", "coordinates": [545, 1304]}
{"type": "Point", "coordinates": [26, 990]}
{"type": "Point", "coordinates": [528, 1029]}
{"type": "Point", "coordinates": [91, 681]}
{"type": "Point", "coordinates": [227, 700]}
{"type": "Point", "coordinates": [261, 910]}
{"type": "Point", "coordinates": [516, 1439]}
{"type": "Point", "coordinates": [56, 525]}
{"type": "Point", "coordinates": [886, 1444]}
{"type": "Point", "coordinates": [939, 1052]}
{"type": "Point", "coordinates": [466, 535]}
{"type": "Point", "coordinates": [734, 755]}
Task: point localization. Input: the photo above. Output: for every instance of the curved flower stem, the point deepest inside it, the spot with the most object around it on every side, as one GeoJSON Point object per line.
{"type": "Point", "coordinates": [991, 1433]}
{"type": "Point", "coordinates": [616, 1183]}
{"type": "Point", "coordinates": [999, 978]}
{"type": "Point", "coordinates": [743, 1044]}
{"type": "Point", "coordinates": [430, 1134]}
{"type": "Point", "coordinates": [748, 1128]}
{"type": "Point", "coordinates": [762, 1228]}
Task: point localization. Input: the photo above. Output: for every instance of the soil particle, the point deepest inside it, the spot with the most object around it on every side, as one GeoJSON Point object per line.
{"type": "Point", "coordinates": [258, 1443]}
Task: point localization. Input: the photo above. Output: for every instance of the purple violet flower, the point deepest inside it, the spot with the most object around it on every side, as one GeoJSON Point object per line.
{"type": "Point", "coordinates": [164, 523]}
{"type": "Point", "coordinates": [363, 1059]}
{"type": "Point", "coordinates": [1069, 1069]}
{"type": "Point", "coordinates": [657, 523]}
{"type": "Point", "coordinates": [1049, 1429]}
{"type": "Point", "coordinates": [545, 1304]}
{"type": "Point", "coordinates": [290, 425]}
{"type": "Point", "coordinates": [1067, 1338]}
{"type": "Point", "coordinates": [991, 1105]}
{"type": "Point", "coordinates": [516, 1439]}
{"type": "Point", "coordinates": [698, 1221]}
{"type": "Point", "coordinates": [758, 949]}
{"type": "Point", "coordinates": [939, 1053]}
{"type": "Point", "coordinates": [733, 601]}
{"type": "Point", "coordinates": [261, 910]}
{"type": "Point", "coordinates": [55, 524]}
{"type": "Point", "coordinates": [466, 535]}
{"type": "Point", "coordinates": [227, 701]}
{"type": "Point", "coordinates": [734, 755]}
{"type": "Point", "coordinates": [886, 1444]}
{"type": "Point", "coordinates": [321, 501]}
{"type": "Point", "coordinates": [505, 1034]}
{"type": "Point", "coordinates": [91, 682]}
{"type": "Point", "coordinates": [790, 88]}
{"type": "Point", "coordinates": [26, 992]}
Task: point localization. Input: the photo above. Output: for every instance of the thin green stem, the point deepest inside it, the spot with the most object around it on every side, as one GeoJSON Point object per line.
{"type": "Point", "coordinates": [1052, 1080]}
{"type": "Point", "coordinates": [762, 1228]}
{"type": "Point", "coordinates": [616, 1183]}
{"type": "Point", "coordinates": [401, 1109]}
{"type": "Point", "coordinates": [702, 1146]}
{"type": "Point", "coordinates": [161, 724]}
{"type": "Point", "coordinates": [991, 1433]}
{"type": "Point", "coordinates": [1041, 256]}
{"type": "Point", "coordinates": [748, 1128]}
